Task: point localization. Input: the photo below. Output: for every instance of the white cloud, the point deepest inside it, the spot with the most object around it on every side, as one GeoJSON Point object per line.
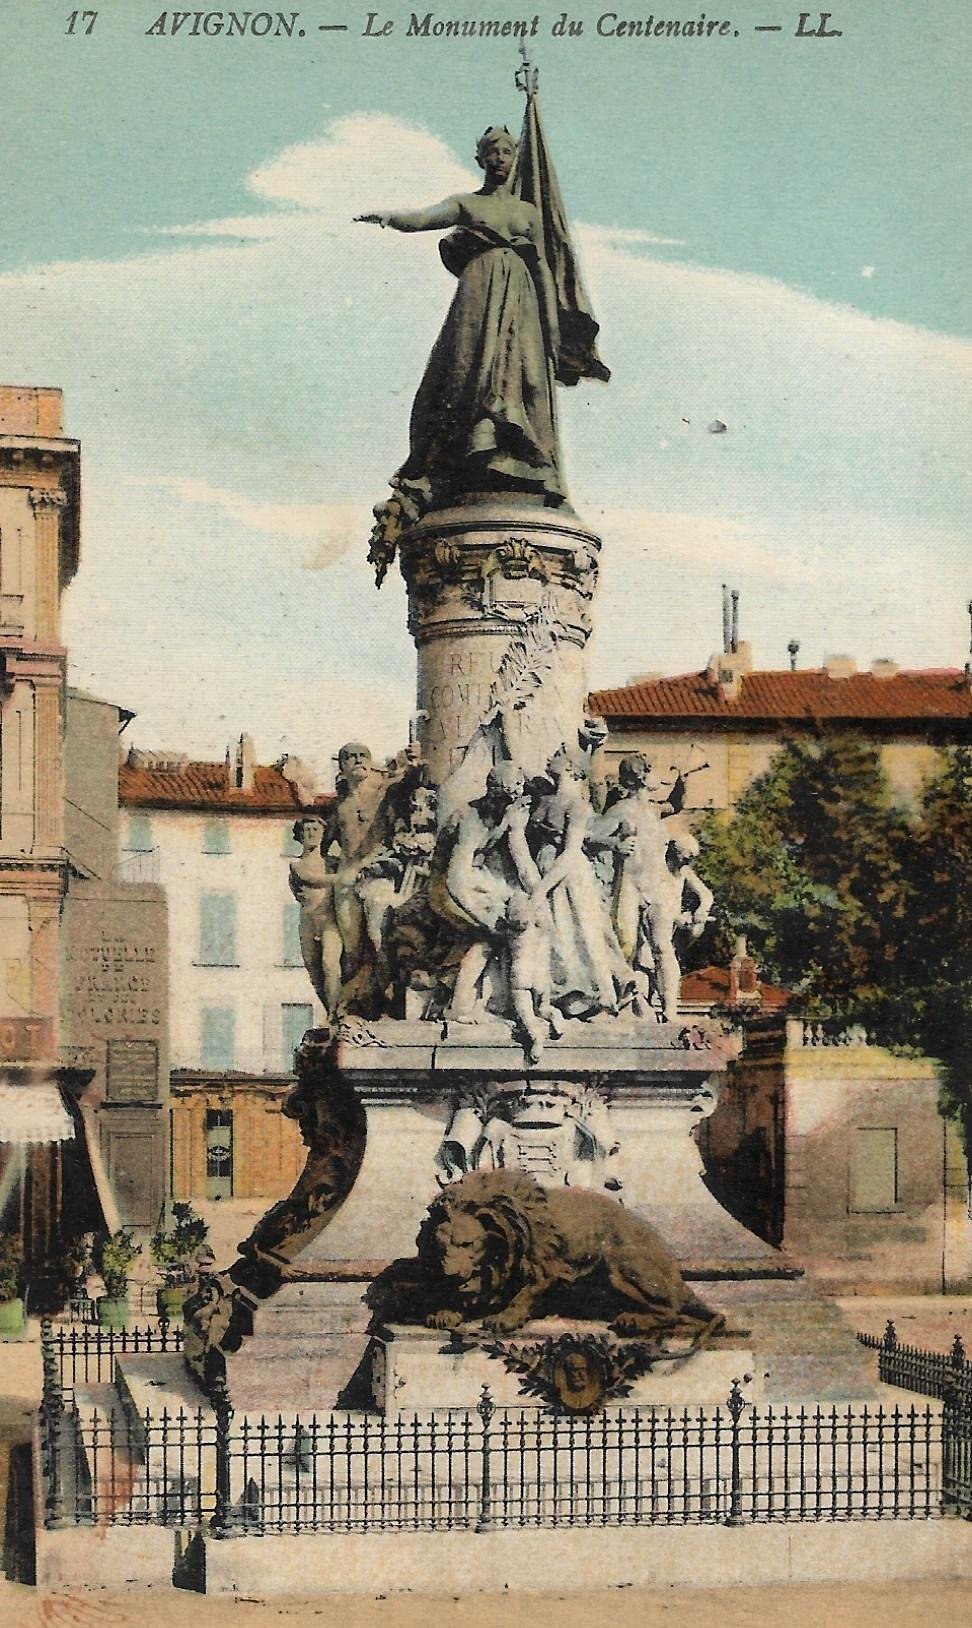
{"type": "Point", "coordinates": [330, 527]}
{"type": "Point", "coordinates": [366, 160]}
{"type": "Point", "coordinates": [867, 271]}
{"type": "Point", "coordinates": [631, 237]}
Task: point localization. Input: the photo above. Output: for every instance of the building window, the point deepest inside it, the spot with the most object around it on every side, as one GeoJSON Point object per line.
{"type": "Point", "coordinates": [219, 1153]}
{"type": "Point", "coordinates": [218, 1037]}
{"type": "Point", "coordinates": [296, 1019]}
{"type": "Point", "coordinates": [217, 930]}
{"type": "Point", "coordinates": [133, 1071]}
{"type": "Point", "coordinates": [874, 1169]}
{"type": "Point", "coordinates": [292, 956]}
{"type": "Point", "coordinates": [216, 837]}
{"type": "Point", "coordinates": [139, 834]}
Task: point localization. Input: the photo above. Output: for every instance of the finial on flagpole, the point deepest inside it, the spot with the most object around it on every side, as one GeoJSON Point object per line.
{"type": "Point", "coordinates": [527, 76]}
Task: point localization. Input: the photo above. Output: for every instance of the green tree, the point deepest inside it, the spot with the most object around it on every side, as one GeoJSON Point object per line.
{"type": "Point", "coordinates": [930, 1003]}
{"type": "Point", "coordinates": [812, 868]}
{"type": "Point", "coordinates": [861, 910]}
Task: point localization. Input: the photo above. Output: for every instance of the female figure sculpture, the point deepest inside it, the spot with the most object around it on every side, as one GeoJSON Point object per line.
{"type": "Point", "coordinates": [589, 972]}
{"type": "Point", "coordinates": [484, 416]}
{"type": "Point", "coordinates": [484, 413]}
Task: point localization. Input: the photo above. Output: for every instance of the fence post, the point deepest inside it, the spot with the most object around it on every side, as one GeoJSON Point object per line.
{"type": "Point", "coordinates": [737, 1405]}
{"type": "Point", "coordinates": [958, 1352]}
{"type": "Point", "coordinates": [957, 1449]}
{"type": "Point", "coordinates": [222, 1522]}
{"type": "Point", "coordinates": [52, 1415]}
{"type": "Point", "coordinates": [485, 1407]}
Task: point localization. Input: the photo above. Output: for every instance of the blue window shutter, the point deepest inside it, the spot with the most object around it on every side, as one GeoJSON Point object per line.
{"type": "Point", "coordinates": [216, 837]}
{"type": "Point", "coordinates": [218, 1037]}
{"type": "Point", "coordinates": [217, 929]}
{"type": "Point", "coordinates": [292, 956]}
{"type": "Point", "coordinates": [296, 1018]}
{"type": "Point", "coordinates": [139, 834]}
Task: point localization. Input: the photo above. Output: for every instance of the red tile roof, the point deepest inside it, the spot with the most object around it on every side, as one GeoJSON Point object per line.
{"type": "Point", "coordinates": [203, 786]}
{"type": "Point", "coordinates": [711, 984]}
{"type": "Point", "coordinates": [808, 695]}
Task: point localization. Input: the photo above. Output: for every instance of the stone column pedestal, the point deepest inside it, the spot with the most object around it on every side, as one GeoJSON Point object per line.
{"type": "Point", "coordinates": [499, 595]}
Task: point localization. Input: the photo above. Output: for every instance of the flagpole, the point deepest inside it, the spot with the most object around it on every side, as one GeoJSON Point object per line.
{"type": "Point", "coordinates": [527, 76]}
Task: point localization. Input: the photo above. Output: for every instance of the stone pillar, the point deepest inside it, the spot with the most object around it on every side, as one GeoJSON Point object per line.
{"type": "Point", "coordinates": [48, 768]}
{"type": "Point", "coordinates": [47, 504]}
{"type": "Point", "coordinates": [44, 916]}
{"type": "Point", "coordinates": [499, 595]}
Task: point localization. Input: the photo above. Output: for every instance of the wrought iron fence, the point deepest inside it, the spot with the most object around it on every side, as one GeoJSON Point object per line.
{"type": "Point", "coordinates": [930, 1373]}
{"type": "Point", "coordinates": [948, 1376]}
{"type": "Point", "coordinates": [85, 1355]}
{"type": "Point", "coordinates": [474, 1469]}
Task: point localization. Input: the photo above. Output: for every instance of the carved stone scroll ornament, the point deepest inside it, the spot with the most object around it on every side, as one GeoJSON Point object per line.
{"type": "Point", "coordinates": [333, 1127]}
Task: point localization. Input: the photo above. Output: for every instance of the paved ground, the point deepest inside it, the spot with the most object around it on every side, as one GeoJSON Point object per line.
{"type": "Point", "coordinates": [910, 1605]}
{"type": "Point", "coordinates": [931, 1321]}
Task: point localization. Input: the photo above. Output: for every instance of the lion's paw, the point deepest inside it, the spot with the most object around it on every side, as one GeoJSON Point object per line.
{"type": "Point", "coordinates": [444, 1319]}
{"type": "Point", "coordinates": [633, 1323]}
{"type": "Point", "coordinates": [504, 1322]}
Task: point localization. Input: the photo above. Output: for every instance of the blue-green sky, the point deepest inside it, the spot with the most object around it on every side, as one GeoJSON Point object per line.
{"type": "Point", "coordinates": [775, 232]}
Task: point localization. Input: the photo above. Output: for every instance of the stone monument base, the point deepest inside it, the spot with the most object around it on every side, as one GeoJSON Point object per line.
{"type": "Point", "coordinates": [423, 1370]}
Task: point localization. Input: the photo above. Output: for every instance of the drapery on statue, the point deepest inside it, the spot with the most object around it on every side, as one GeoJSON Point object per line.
{"type": "Point", "coordinates": [485, 416]}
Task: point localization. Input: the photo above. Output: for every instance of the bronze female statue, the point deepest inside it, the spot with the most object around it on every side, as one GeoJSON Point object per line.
{"type": "Point", "coordinates": [485, 416]}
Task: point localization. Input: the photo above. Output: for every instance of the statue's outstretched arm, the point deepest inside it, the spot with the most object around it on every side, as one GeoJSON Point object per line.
{"type": "Point", "coordinates": [438, 218]}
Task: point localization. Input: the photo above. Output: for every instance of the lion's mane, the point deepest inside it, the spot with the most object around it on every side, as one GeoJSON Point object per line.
{"type": "Point", "coordinates": [523, 1242]}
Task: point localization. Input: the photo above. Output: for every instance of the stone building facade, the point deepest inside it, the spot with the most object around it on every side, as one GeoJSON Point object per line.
{"type": "Point", "coordinates": [68, 927]}
{"type": "Point", "coordinates": [115, 994]}
{"type": "Point", "coordinates": [218, 837]}
{"type": "Point", "coordinates": [44, 1169]}
{"type": "Point", "coordinates": [39, 547]}
{"type": "Point", "coordinates": [834, 1149]}
{"type": "Point", "coordinates": [724, 725]}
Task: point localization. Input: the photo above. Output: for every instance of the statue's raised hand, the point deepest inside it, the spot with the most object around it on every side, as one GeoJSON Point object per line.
{"type": "Point", "coordinates": [372, 220]}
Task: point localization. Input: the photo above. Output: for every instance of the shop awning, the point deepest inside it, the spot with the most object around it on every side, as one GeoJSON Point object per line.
{"type": "Point", "coordinates": [33, 1113]}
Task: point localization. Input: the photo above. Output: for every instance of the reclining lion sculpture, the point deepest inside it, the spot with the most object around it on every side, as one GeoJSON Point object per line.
{"type": "Point", "coordinates": [498, 1249]}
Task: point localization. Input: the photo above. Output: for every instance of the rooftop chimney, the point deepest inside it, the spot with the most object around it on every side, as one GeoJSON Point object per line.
{"type": "Point", "coordinates": [884, 667]}
{"type": "Point", "coordinates": [840, 666]}
{"type": "Point", "coordinates": [744, 987]}
{"type": "Point", "coordinates": [243, 764]}
{"type": "Point", "coordinates": [301, 777]}
{"type": "Point", "coordinates": [726, 621]}
{"type": "Point", "coordinates": [794, 648]}
{"type": "Point", "coordinates": [727, 668]}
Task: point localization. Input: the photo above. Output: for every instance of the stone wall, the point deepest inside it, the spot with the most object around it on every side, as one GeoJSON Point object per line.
{"type": "Point", "coordinates": [838, 1152]}
{"type": "Point", "coordinates": [115, 1020]}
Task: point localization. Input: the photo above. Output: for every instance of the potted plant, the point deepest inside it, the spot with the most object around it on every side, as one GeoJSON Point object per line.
{"type": "Point", "coordinates": [78, 1265]}
{"type": "Point", "coordinates": [12, 1321]}
{"type": "Point", "coordinates": [114, 1256]}
{"type": "Point", "coordinates": [175, 1251]}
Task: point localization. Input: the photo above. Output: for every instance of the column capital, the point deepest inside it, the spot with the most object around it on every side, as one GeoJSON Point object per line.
{"type": "Point", "coordinates": [46, 497]}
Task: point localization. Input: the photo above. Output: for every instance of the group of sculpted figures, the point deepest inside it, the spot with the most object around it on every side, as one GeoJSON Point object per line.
{"type": "Point", "coordinates": [541, 900]}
